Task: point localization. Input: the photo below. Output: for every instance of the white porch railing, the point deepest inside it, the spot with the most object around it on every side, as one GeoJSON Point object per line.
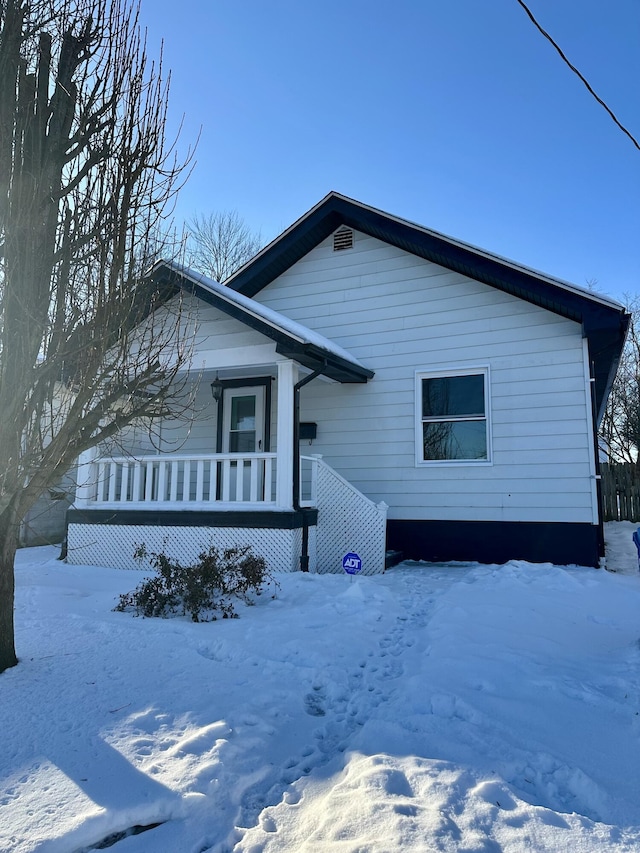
{"type": "Point", "coordinates": [182, 480]}
{"type": "Point", "coordinates": [189, 479]}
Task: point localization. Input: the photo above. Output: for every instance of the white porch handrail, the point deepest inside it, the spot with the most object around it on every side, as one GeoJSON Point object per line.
{"type": "Point", "coordinates": [309, 467]}
{"type": "Point", "coordinates": [180, 480]}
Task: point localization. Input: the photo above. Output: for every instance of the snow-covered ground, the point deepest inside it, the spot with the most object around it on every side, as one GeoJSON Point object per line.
{"type": "Point", "coordinates": [434, 708]}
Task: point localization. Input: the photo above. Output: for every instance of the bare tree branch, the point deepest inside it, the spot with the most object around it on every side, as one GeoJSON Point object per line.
{"type": "Point", "coordinates": [620, 428]}
{"type": "Point", "coordinates": [219, 244]}
{"type": "Point", "coordinates": [87, 180]}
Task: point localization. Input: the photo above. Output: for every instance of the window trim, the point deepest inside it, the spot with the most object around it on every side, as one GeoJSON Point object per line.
{"type": "Point", "coordinates": [450, 372]}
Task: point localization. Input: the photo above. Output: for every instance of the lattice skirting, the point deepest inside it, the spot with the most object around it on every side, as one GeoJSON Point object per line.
{"type": "Point", "coordinates": [113, 545]}
{"type": "Point", "coordinates": [348, 522]}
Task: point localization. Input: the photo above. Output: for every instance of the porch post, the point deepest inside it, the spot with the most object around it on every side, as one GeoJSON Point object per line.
{"type": "Point", "coordinates": [287, 375]}
{"type": "Point", "coordinates": [86, 478]}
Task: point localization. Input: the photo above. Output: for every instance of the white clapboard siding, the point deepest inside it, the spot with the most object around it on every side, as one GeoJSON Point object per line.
{"type": "Point", "coordinates": [223, 338]}
{"type": "Point", "coordinates": [193, 433]}
{"type": "Point", "coordinates": [199, 435]}
{"type": "Point", "coordinates": [212, 330]}
{"type": "Point", "coordinates": [398, 314]}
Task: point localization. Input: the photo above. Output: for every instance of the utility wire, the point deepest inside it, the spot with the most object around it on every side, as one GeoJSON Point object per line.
{"type": "Point", "coordinates": [575, 71]}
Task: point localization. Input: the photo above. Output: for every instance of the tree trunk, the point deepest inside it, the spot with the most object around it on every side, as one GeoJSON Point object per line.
{"type": "Point", "coordinates": [86, 183]}
{"type": "Point", "coordinates": [8, 547]}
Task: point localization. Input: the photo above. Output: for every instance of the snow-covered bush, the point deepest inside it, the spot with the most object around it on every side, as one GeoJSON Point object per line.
{"type": "Point", "coordinates": [204, 590]}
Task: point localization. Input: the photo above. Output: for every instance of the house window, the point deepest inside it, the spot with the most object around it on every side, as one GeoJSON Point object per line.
{"type": "Point", "coordinates": [453, 421]}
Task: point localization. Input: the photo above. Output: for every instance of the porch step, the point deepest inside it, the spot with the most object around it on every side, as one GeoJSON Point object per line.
{"type": "Point", "coordinates": [392, 558]}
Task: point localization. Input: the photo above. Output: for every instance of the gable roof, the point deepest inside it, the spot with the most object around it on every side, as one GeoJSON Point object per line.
{"type": "Point", "coordinates": [604, 321]}
{"type": "Point", "coordinates": [293, 340]}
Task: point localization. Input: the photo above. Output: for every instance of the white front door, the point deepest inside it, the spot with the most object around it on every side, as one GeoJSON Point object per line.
{"type": "Point", "coordinates": [243, 432]}
{"type": "Point", "coordinates": [243, 420]}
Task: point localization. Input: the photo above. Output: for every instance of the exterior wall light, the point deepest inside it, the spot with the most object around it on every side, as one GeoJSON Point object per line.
{"type": "Point", "coordinates": [217, 388]}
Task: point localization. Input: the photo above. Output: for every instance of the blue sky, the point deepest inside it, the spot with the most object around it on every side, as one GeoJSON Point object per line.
{"type": "Point", "coordinates": [455, 114]}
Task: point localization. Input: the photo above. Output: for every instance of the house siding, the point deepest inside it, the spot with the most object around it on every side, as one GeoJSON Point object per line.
{"type": "Point", "coordinates": [220, 343]}
{"type": "Point", "coordinates": [194, 433]}
{"type": "Point", "coordinates": [399, 314]}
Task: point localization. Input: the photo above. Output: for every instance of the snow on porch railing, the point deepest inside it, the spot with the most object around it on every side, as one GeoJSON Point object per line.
{"type": "Point", "coordinates": [184, 480]}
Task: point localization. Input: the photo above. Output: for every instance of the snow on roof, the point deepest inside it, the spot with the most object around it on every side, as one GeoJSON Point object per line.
{"type": "Point", "coordinates": [300, 333]}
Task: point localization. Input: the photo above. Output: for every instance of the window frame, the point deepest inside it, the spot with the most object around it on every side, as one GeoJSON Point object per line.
{"type": "Point", "coordinates": [450, 373]}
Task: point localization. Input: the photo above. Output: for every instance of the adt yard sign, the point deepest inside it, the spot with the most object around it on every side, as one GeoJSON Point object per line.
{"type": "Point", "coordinates": [351, 563]}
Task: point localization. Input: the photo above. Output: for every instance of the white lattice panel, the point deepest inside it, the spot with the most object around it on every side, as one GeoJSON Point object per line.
{"type": "Point", "coordinates": [347, 521]}
{"type": "Point", "coordinates": [113, 545]}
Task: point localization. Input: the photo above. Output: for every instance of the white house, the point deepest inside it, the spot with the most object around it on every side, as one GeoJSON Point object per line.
{"type": "Point", "coordinates": [444, 401]}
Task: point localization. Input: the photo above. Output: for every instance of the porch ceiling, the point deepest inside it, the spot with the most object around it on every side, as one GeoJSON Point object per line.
{"type": "Point", "coordinates": [293, 340]}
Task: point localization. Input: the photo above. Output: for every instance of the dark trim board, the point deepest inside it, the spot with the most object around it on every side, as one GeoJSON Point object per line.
{"type": "Point", "coordinates": [247, 382]}
{"type": "Point", "coordinates": [495, 541]}
{"type": "Point", "coordinates": [263, 519]}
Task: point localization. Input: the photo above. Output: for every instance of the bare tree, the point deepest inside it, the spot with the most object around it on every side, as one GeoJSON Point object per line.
{"type": "Point", "coordinates": [86, 178]}
{"type": "Point", "coordinates": [219, 244]}
{"type": "Point", "coordinates": [620, 428]}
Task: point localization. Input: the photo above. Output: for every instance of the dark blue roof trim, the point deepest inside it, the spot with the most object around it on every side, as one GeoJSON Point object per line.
{"type": "Point", "coordinates": [604, 326]}
{"type": "Point", "coordinates": [307, 354]}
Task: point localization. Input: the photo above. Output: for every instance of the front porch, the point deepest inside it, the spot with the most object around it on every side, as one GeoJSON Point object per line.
{"type": "Point", "coordinates": [182, 504]}
{"type": "Point", "coordinates": [233, 475]}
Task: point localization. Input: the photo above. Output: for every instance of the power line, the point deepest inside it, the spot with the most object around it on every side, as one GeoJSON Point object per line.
{"type": "Point", "coordinates": [575, 71]}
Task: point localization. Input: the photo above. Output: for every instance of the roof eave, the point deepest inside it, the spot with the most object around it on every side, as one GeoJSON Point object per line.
{"type": "Point", "coordinates": [604, 322]}
{"type": "Point", "coordinates": [304, 353]}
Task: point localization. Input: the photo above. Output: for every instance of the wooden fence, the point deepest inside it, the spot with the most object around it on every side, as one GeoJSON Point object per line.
{"type": "Point", "coordinates": [620, 491]}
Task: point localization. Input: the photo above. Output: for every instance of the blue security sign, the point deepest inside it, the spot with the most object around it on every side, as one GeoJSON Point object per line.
{"type": "Point", "coordinates": [351, 563]}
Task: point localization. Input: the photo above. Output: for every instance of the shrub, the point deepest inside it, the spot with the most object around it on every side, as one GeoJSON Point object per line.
{"type": "Point", "coordinates": [204, 590]}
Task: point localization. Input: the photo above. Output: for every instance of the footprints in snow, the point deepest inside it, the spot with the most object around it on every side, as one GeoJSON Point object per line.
{"type": "Point", "coordinates": [342, 702]}
{"type": "Point", "coordinates": [315, 702]}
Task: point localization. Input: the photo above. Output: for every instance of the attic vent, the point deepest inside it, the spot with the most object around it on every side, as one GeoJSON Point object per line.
{"type": "Point", "coordinates": [342, 239]}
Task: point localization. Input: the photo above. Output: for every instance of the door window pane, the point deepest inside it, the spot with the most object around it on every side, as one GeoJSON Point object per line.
{"type": "Point", "coordinates": [242, 442]}
{"type": "Point", "coordinates": [242, 434]}
{"type": "Point", "coordinates": [243, 412]}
